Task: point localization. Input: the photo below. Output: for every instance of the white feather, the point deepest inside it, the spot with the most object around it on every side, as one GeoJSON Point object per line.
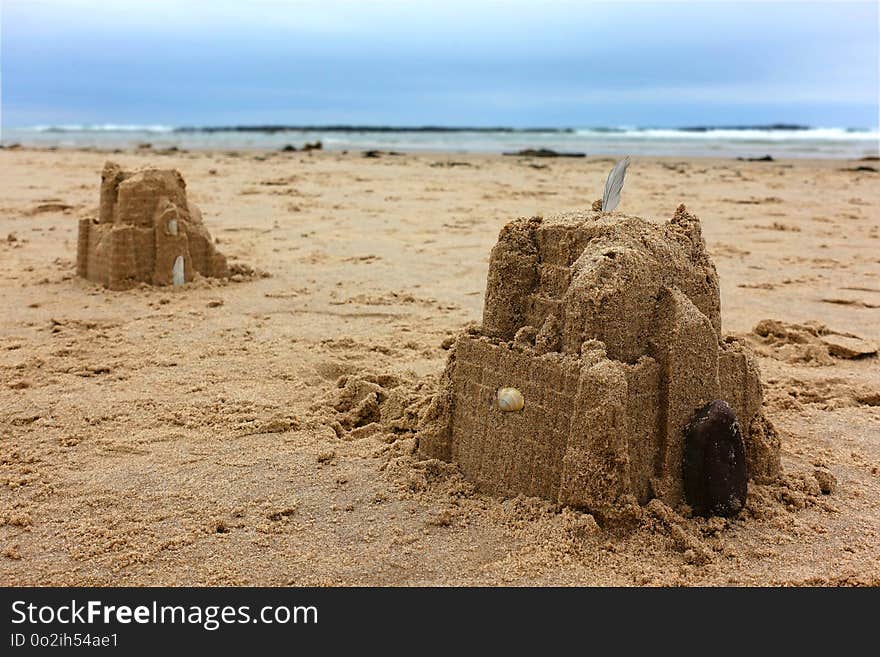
{"type": "Point", "coordinates": [611, 197]}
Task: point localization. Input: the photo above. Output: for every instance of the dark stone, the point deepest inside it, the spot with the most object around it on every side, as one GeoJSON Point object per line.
{"type": "Point", "coordinates": [714, 463]}
{"type": "Point", "coordinates": [765, 158]}
{"type": "Point", "coordinates": [288, 148]}
{"type": "Point", "coordinates": [375, 153]}
{"type": "Point", "coordinates": [542, 152]}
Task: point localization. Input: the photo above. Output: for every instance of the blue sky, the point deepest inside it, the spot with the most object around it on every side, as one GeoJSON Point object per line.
{"type": "Point", "coordinates": [549, 63]}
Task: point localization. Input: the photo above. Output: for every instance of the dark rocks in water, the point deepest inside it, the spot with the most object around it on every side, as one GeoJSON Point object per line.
{"type": "Point", "coordinates": [862, 168]}
{"type": "Point", "coordinates": [543, 152]}
{"type": "Point", "coordinates": [771, 126]}
{"type": "Point", "coordinates": [714, 464]}
{"type": "Point", "coordinates": [766, 158]}
{"type": "Point", "coordinates": [308, 146]}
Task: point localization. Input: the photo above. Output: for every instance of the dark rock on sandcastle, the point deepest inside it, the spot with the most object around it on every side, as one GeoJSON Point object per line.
{"type": "Point", "coordinates": [146, 232]}
{"type": "Point", "coordinates": [610, 328]}
{"type": "Point", "coordinates": [714, 462]}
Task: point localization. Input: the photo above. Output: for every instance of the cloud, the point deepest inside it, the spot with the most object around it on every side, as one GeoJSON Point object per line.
{"type": "Point", "coordinates": [578, 61]}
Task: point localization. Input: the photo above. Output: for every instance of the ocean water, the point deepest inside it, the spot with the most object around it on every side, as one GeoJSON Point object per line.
{"type": "Point", "coordinates": [736, 141]}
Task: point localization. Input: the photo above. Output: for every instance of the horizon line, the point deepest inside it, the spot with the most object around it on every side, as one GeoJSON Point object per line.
{"type": "Point", "coordinates": [427, 128]}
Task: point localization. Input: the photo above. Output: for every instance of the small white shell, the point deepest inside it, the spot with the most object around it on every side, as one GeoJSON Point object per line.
{"type": "Point", "coordinates": [510, 400]}
{"type": "Point", "coordinates": [171, 227]}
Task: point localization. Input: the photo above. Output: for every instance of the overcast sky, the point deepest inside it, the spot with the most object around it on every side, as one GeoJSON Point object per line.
{"type": "Point", "coordinates": [476, 62]}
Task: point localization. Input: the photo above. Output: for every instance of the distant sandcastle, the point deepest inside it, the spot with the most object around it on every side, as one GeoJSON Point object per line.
{"type": "Point", "coordinates": [146, 232]}
{"type": "Point", "coordinates": [608, 330]}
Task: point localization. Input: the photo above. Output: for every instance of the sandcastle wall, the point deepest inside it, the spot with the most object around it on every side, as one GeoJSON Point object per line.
{"type": "Point", "coordinates": [144, 224]}
{"type": "Point", "coordinates": [609, 326]}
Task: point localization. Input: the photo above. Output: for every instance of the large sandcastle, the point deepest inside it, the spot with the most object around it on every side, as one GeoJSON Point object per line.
{"type": "Point", "coordinates": [610, 328]}
{"type": "Point", "coordinates": [146, 231]}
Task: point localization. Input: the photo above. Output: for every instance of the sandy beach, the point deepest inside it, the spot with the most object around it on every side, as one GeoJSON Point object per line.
{"type": "Point", "coordinates": [184, 436]}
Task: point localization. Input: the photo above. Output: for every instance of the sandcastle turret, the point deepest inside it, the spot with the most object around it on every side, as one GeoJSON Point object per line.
{"type": "Point", "coordinates": [146, 231]}
{"type": "Point", "coordinates": [609, 326]}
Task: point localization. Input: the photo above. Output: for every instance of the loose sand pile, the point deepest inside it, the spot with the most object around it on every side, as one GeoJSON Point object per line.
{"type": "Point", "coordinates": [265, 433]}
{"type": "Point", "coordinates": [146, 231]}
{"type": "Point", "coordinates": [810, 343]}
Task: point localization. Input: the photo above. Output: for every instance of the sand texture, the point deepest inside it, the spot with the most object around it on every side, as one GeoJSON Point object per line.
{"type": "Point", "coordinates": [261, 428]}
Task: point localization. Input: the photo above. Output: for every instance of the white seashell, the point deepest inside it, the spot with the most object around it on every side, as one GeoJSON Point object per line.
{"type": "Point", "coordinates": [178, 276]}
{"type": "Point", "coordinates": [510, 400]}
{"type": "Point", "coordinates": [172, 226]}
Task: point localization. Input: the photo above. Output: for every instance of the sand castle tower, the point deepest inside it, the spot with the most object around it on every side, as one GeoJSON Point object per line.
{"type": "Point", "coordinates": [146, 232]}
{"type": "Point", "coordinates": [609, 327]}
